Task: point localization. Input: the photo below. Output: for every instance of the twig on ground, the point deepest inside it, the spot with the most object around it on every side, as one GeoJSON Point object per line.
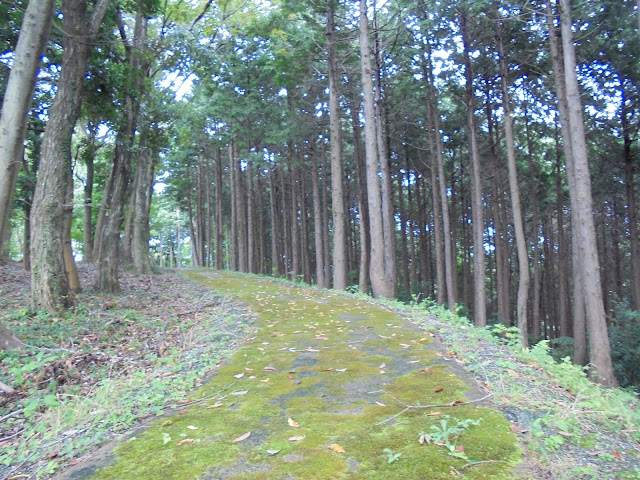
{"type": "Point", "coordinates": [415, 407]}
{"type": "Point", "coordinates": [480, 462]}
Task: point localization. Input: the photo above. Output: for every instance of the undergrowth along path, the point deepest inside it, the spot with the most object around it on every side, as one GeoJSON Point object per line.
{"type": "Point", "coordinates": [330, 387]}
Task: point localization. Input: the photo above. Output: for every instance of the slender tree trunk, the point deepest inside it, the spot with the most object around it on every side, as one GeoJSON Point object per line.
{"type": "Point", "coordinates": [599, 348]}
{"type": "Point", "coordinates": [479, 285]}
{"type": "Point", "coordinates": [87, 233]}
{"type": "Point", "coordinates": [49, 283]}
{"type": "Point", "coordinates": [521, 245]}
{"type": "Point", "coordinates": [363, 206]}
{"type": "Point", "coordinates": [17, 99]}
{"type": "Point", "coordinates": [147, 159]}
{"type": "Point", "coordinates": [69, 262]}
{"type": "Point", "coordinates": [234, 210]}
{"type": "Point", "coordinates": [404, 248]}
{"type": "Point", "coordinates": [219, 260]}
{"type": "Point", "coordinates": [449, 260]}
{"type": "Point", "coordinates": [377, 266]}
{"type": "Point", "coordinates": [337, 186]}
{"type": "Point", "coordinates": [294, 212]}
{"type": "Point", "coordinates": [325, 221]}
{"type": "Point", "coordinates": [251, 227]}
{"type": "Point", "coordinates": [563, 308]}
{"type": "Point", "coordinates": [317, 216]}
{"type": "Point", "coordinates": [275, 228]}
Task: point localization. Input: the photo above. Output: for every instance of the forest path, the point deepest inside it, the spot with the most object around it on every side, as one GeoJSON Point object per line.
{"type": "Point", "coordinates": [320, 392]}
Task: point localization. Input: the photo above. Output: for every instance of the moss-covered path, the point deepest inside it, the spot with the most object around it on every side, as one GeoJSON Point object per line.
{"type": "Point", "coordinates": [318, 393]}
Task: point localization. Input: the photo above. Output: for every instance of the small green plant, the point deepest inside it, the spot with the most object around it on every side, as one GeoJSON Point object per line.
{"type": "Point", "coordinates": [446, 435]}
{"type": "Point", "coordinates": [391, 457]}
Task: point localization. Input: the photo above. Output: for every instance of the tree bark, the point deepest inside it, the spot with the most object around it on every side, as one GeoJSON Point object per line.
{"type": "Point", "coordinates": [479, 282]}
{"type": "Point", "coordinates": [219, 258]}
{"type": "Point", "coordinates": [317, 216]}
{"type": "Point", "coordinates": [49, 283]}
{"type": "Point", "coordinates": [337, 181]}
{"type": "Point", "coordinates": [113, 200]}
{"type": "Point", "coordinates": [377, 271]}
{"type": "Point", "coordinates": [146, 164]}
{"type": "Point", "coordinates": [17, 99]}
{"type": "Point", "coordinates": [600, 351]}
{"type": "Point", "coordinates": [521, 245]}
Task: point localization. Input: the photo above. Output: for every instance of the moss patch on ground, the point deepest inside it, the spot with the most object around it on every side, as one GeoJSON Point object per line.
{"type": "Point", "coordinates": [323, 370]}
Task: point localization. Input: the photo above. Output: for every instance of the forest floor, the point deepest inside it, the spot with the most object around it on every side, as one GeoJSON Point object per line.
{"type": "Point", "coordinates": [214, 375]}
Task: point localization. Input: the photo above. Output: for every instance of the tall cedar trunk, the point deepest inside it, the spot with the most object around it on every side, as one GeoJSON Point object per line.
{"type": "Point", "coordinates": [404, 248]}
{"type": "Point", "coordinates": [146, 164]}
{"type": "Point", "coordinates": [251, 227]}
{"type": "Point", "coordinates": [579, 305]}
{"type": "Point", "coordinates": [479, 283]}
{"type": "Point", "coordinates": [195, 244]}
{"type": "Point", "coordinates": [535, 310]}
{"type": "Point", "coordinates": [295, 238]}
{"type": "Point", "coordinates": [363, 206]}
{"type": "Point", "coordinates": [377, 272]}
{"type": "Point", "coordinates": [386, 188]}
{"type": "Point", "coordinates": [112, 208]}
{"type": "Point", "coordinates": [87, 221]}
{"type": "Point", "coordinates": [275, 228]}
{"type": "Point", "coordinates": [563, 308]}
{"type": "Point", "coordinates": [286, 228]}
{"type": "Point", "coordinates": [337, 185]}
{"type": "Point", "coordinates": [325, 220]}
{"type": "Point", "coordinates": [305, 258]}
{"type": "Point", "coordinates": [317, 216]}
{"type": "Point", "coordinates": [219, 258]}
{"type": "Point", "coordinates": [521, 245]}
{"type": "Point", "coordinates": [17, 99]}
{"type": "Point", "coordinates": [49, 283]}
{"type": "Point", "coordinates": [241, 214]}
{"type": "Point", "coordinates": [437, 221]}
{"type": "Point", "coordinates": [499, 215]}
{"type": "Point", "coordinates": [69, 262]}
{"type": "Point", "coordinates": [631, 203]}
{"type": "Point", "coordinates": [449, 260]}
{"type": "Point", "coordinates": [599, 348]}
{"type": "Point", "coordinates": [233, 258]}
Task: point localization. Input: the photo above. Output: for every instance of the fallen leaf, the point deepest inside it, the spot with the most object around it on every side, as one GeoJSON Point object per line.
{"type": "Point", "coordinates": [515, 428]}
{"type": "Point", "coordinates": [460, 449]}
{"type": "Point", "coordinates": [505, 400]}
{"type": "Point", "coordinates": [422, 440]}
{"type": "Point", "coordinates": [252, 377]}
{"type": "Point", "coordinates": [337, 448]}
{"type": "Point", "coordinates": [413, 361]}
{"type": "Point", "coordinates": [309, 349]}
{"type": "Point", "coordinates": [327, 369]}
{"type": "Point", "coordinates": [215, 405]}
{"type": "Point", "coordinates": [297, 438]}
{"type": "Point", "coordinates": [241, 392]}
{"type": "Point", "coordinates": [438, 389]}
{"type": "Point", "coordinates": [270, 369]}
{"type": "Point", "coordinates": [341, 369]}
{"type": "Point", "coordinates": [513, 373]}
{"type": "Point", "coordinates": [76, 461]}
{"type": "Point", "coordinates": [617, 455]}
{"type": "Point", "coordinates": [380, 404]}
{"type": "Point", "coordinates": [266, 380]}
{"type": "Point", "coordinates": [241, 437]}
{"type": "Point", "coordinates": [382, 365]}
{"type": "Point", "coordinates": [192, 427]}
{"type": "Point", "coordinates": [273, 452]}
{"type": "Point", "coordinates": [321, 337]}
{"type": "Point", "coordinates": [166, 423]}
{"type": "Point", "coordinates": [239, 375]}
{"type": "Point", "coordinates": [427, 370]}
{"type": "Point", "coordinates": [434, 414]}
{"type": "Point", "coordinates": [186, 440]}
{"type": "Point", "coordinates": [293, 423]}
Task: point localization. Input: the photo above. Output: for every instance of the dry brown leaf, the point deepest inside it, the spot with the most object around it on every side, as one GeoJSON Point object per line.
{"type": "Point", "coordinates": [505, 400]}
{"type": "Point", "coordinates": [617, 455]}
{"type": "Point", "coordinates": [434, 414]}
{"type": "Point", "coordinates": [266, 380]}
{"type": "Point", "coordinates": [293, 423]}
{"type": "Point", "coordinates": [270, 369]}
{"type": "Point", "coordinates": [438, 389]}
{"type": "Point", "coordinates": [241, 437]}
{"type": "Point", "coordinates": [297, 438]}
{"type": "Point", "coordinates": [513, 373]}
{"type": "Point", "coordinates": [337, 448]}
{"type": "Point", "coordinates": [380, 404]}
{"type": "Point", "coordinates": [186, 440]}
{"type": "Point", "coordinates": [215, 405]}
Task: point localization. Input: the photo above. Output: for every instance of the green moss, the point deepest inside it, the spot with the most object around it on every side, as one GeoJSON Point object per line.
{"type": "Point", "coordinates": [322, 360]}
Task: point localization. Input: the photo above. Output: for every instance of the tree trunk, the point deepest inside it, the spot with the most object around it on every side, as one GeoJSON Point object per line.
{"type": "Point", "coordinates": [219, 260]}
{"type": "Point", "coordinates": [113, 201]}
{"type": "Point", "coordinates": [337, 185]}
{"type": "Point", "coordinates": [377, 272]}
{"type": "Point", "coordinates": [600, 351]}
{"type": "Point", "coordinates": [521, 245]}
{"type": "Point", "coordinates": [147, 159]}
{"type": "Point", "coordinates": [17, 99]}
{"type": "Point", "coordinates": [49, 283]}
{"type": "Point", "coordinates": [69, 262]}
{"type": "Point", "coordinates": [275, 227]}
{"type": "Point", "coordinates": [325, 220]}
{"type": "Point", "coordinates": [479, 285]}
{"type": "Point", "coordinates": [563, 308]}
{"type": "Point", "coordinates": [317, 216]}
{"type": "Point", "coordinates": [87, 224]}
{"type": "Point", "coordinates": [233, 257]}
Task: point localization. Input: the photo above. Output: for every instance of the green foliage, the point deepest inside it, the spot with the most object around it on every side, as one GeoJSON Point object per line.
{"type": "Point", "coordinates": [447, 434]}
{"type": "Point", "coordinates": [391, 457]}
{"type": "Point", "coordinates": [624, 336]}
